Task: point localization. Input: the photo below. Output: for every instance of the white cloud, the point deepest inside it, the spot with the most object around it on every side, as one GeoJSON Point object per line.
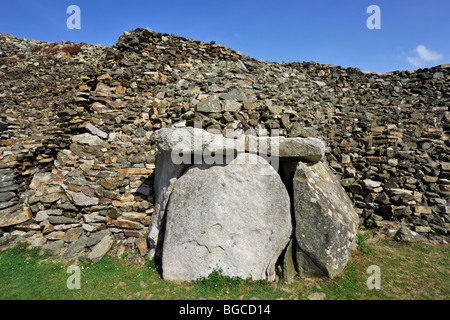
{"type": "Point", "coordinates": [424, 56]}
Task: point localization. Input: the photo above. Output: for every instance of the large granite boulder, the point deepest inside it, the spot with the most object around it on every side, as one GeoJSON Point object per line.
{"type": "Point", "coordinates": [226, 217]}
{"type": "Point", "coordinates": [325, 221]}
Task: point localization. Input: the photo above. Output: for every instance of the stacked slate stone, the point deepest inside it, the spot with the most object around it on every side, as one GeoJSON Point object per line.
{"type": "Point", "coordinates": [8, 195]}
{"type": "Point", "coordinates": [8, 187]}
{"type": "Point", "coordinates": [77, 122]}
{"type": "Point", "coordinates": [10, 207]}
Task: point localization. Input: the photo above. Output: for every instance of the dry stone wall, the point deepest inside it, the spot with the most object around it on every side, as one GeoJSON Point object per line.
{"type": "Point", "coordinates": [77, 120]}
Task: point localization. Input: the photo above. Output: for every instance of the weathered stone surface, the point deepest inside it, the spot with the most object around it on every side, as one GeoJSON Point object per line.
{"type": "Point", "coordinates": [42, 180]}
{"type": "Point", "coordinates": [128, 224]}
{"type": "Point", "coordinates": [61, 220]}
{"type": "Point", "coordinates": [371, 184]}
{"type": "Point", "coordinates": [15, 215]}
{"type": "Point", "coordinates": [36, 241]}
{"type": "Point", "coordinates": [75, 247]}
{"type": "Point", "coordinates": [73, 234]}
{"type": "Point", "coordinates": [95, 238]}
{"type": "Point", "coordinates": [209, 105]}
{"type": "Point", "coordinates": [195, 141]}
{"type": "Point", "coordinates": [87, 138]}
{"type": "Point", "coordinates": [289, 269]}
{"type": "Point", "coordinates": [100, 249]}
{"type": "Point", "coordinates": [190, 141]}
{"type": "Point", "coordinates": [52, 247]}
{"type": "Point", "coordinates": [80, 199]}
{"type": "Point", "coordinates": [56, 235]}
{"type": "Point", "coordinates": [231, 106]}
{"type": "Point", "coordinates": [317, 296]}
{"type": "Point", "coordinates": [93, 217]}
{"type": "Point", "coordinates": [304, 149]}
{"type": "Point", "coordinates": [6, 176]}
{"type": "Point", "coordinates": [404, 234]}
{"type": "Point", "coordinates": [166, 175]}
{"type": "Point", "coordinates": [5, 196]}
{"type": "Point", "coordinates": [142, 246]}
{"type": "Point", "coordinates": [226, 217]}
{"type": "Point", "coordinates": [41, 216]}
{"type": "Point", "coordinates": [326, 222]}
{"type": "Point", "coordinates": [8, 186]}
{"type": "Point", "coordinates": [7, 204]}
{"type": "Point", "coordinates": [94, 130]}
{"type": "Point", "coordinates": [52, 212]}
{"type": "Point", "coordinates": [422, 229]}
{"type": "Point", "coordinates": [306, 266]}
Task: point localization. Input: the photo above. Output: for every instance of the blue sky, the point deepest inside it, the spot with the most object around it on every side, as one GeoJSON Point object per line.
{"type": "Point", "coordinates": [414, 34]}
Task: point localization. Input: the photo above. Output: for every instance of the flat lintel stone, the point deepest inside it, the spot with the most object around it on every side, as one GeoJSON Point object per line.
{"type": "Point", "coordinates": [195, 141]}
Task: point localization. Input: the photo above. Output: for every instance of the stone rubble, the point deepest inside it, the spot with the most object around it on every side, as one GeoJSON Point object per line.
{"type": "Point", "coordinates": [77, 124]}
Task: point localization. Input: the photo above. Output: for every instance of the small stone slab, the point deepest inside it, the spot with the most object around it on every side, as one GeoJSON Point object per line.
{"type": "Point", "coordinates": [15, 215]}
{"type": "Point", "coordinates": [100, 249]}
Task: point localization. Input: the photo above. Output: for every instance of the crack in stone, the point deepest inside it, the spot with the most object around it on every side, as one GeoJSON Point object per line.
{"type": "Point", "coordinates": [203, 245]}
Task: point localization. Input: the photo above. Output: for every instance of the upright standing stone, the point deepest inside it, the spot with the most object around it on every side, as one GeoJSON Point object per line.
{"type": "Point", "coordinates": [289, 271]}
{"type": "Point", "coordinates": [325, 221]}
{"type": "Point", "coordinates": [227, 217]}
{"type": "Point", "coordinates": [166, 176]}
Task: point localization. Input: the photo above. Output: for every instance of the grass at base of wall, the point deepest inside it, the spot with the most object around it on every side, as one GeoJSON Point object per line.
{"type": "Point", "coordinates": [406, 271]}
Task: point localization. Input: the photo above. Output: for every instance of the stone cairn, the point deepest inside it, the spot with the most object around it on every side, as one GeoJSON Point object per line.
{"type": "Point", "coordinates": [78, 151]}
